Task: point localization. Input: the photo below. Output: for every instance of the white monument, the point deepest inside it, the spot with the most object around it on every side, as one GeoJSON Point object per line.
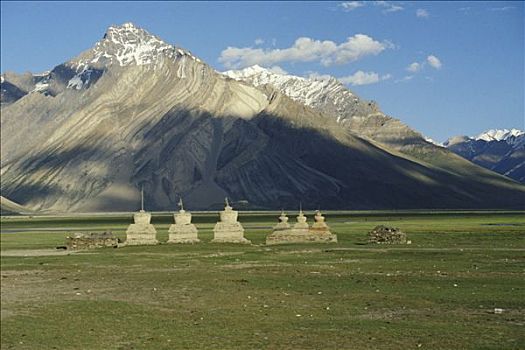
{"type": "Point", "coordinates": [183, 231]}
{"type": "Point", "coordinates": [281, 232]}
{"type": "Point", "coordinates": [300, 232]}
{"type": "Point", "coordinates": [321, 230]}
{"type": "Point", "coordinates": [283, 223]}
{"type": "Point", "coordinates": [228, 229]}
{"type": "Point", "coordinates": [141, 232]}
{"type": "Point", "coordinates": [301, 226]}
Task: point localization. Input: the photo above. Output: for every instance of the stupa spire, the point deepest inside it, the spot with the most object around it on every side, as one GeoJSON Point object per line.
{"type": "Point", "coordinates": [142, 198]}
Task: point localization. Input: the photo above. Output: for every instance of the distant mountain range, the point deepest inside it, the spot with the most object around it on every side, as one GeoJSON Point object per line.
{"type": "Point", "coordinates": [135, 112]}
{"type": "Point", "coordinates": [502, 151]}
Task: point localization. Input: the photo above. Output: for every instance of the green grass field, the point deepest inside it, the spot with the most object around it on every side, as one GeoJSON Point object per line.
{"type": "Point", "coordinates": [437, 293]}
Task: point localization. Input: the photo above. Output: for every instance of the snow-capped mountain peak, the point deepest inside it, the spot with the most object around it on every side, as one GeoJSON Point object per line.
{"type": "Point", "coordinates": [499, 134]}
{"type": "Point", "coordinates": [314, 91]}
{"type": "Point", "coordinates": [514, 137]}
{"type": "Point", "coordinates": [124, 45]}
{"type": "Point", "coordinates": [129, 45]}
{"type": "Point", "coordinates": [260, 76]}
{"type": "Point", "coordinates": [501, 150]}
{"type": "Point", "coordinates": [247, 72]}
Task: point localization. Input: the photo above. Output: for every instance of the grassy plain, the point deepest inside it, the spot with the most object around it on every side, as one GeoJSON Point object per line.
{"type": "Point", "coordinates": [440, 292]}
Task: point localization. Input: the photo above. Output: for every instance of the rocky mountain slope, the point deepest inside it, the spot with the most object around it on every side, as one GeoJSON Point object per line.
{"type": "Point", "coordinates": [363, 118]}
{"type": "Point", "coordinates": [329, 96]}
{"type": "Point", "coordinates": [8, 207]}
{"type": "Point", "coordinates": [136, 112]}
{"type": "Point", "coordinates": [502, 151]}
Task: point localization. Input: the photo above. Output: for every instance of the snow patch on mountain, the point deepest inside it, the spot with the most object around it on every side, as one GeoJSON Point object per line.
{"type": "Point", "coordinates": [436, 143]}
{"type": "Point", "coordinates": [42, 82]}
{"type": "Point", "coordinates": [41, 86]}
{"type": "Point", "coordinates": [81, 79]}
{"type": "Point", "coordinates": [43, 74]}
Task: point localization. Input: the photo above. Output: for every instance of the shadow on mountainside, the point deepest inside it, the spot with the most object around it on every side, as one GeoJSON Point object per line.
{"type": "Point", "coordinates": [266, 162]}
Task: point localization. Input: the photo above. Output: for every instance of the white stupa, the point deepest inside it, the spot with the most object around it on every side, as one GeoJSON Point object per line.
{"type": "Point", "coordinates": [228, 229]}
{"type": "Point", "coordinates": [183, 231]}
{"type": "Point", "coordinates": [301, 232]}
{"type": "Point", "coordinates": [141, 232]}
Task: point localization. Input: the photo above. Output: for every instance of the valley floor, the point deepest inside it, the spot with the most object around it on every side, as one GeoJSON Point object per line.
{"type": "Point", "coordinates": [440, 292]}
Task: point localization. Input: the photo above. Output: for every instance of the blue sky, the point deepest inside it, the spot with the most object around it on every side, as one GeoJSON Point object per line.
{"type": "Point", "coordinates": [444, 68]}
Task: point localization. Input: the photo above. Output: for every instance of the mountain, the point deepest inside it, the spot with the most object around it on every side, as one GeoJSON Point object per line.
{"type": "Point", "coordinates": [501, 135]}
{"type": "Point", "coordinates": [360, 117]}
{"type": "Point", "coordinates": [14, 86]}
{"type": "Point", "coordinates": [502, 151]}
{"type": "Point", "coordinates": [8, 207]}
{"type": "Point", "coordinates": [329, 96]}
{"type": "Point", "coordinates": [135, 112]}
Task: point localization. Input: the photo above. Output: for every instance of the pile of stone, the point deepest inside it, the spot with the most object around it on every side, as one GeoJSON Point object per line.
{"type": "Point", "coordinates": [387, 235]}
{"type": "Point", "coordinates": [301, 232]}
{"type": "Point", "coordinates": [90, 240]}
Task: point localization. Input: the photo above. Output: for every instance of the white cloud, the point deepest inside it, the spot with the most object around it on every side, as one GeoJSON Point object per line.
{"type": "Point", "coordinates": [259, 41]}
{"type": "Point", "coordinates": [414, 67]}
{"type": "Point", "coordinates": [386, 6]}
{"type": "Point", "coordinates": [305, 49]}
{"type": "Point", "coordinates": [358, 78]}
{"type": "Point", "coordinates": [363, 78]}
{"type": "Point", "coordinates": [351, 5]}
{"type": "Point", "coordinates": [422, 13]}
{"type": "Point", "coordinates": [504, 8]}
{"type": "Point", "coordinates": [389, 6]}
{"type": "Point", "coordinates": [434, 61]}
{"type": "Point", "coordinates": [404, 79]}
{"type": "Point", "coordinates": [431, 60]}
